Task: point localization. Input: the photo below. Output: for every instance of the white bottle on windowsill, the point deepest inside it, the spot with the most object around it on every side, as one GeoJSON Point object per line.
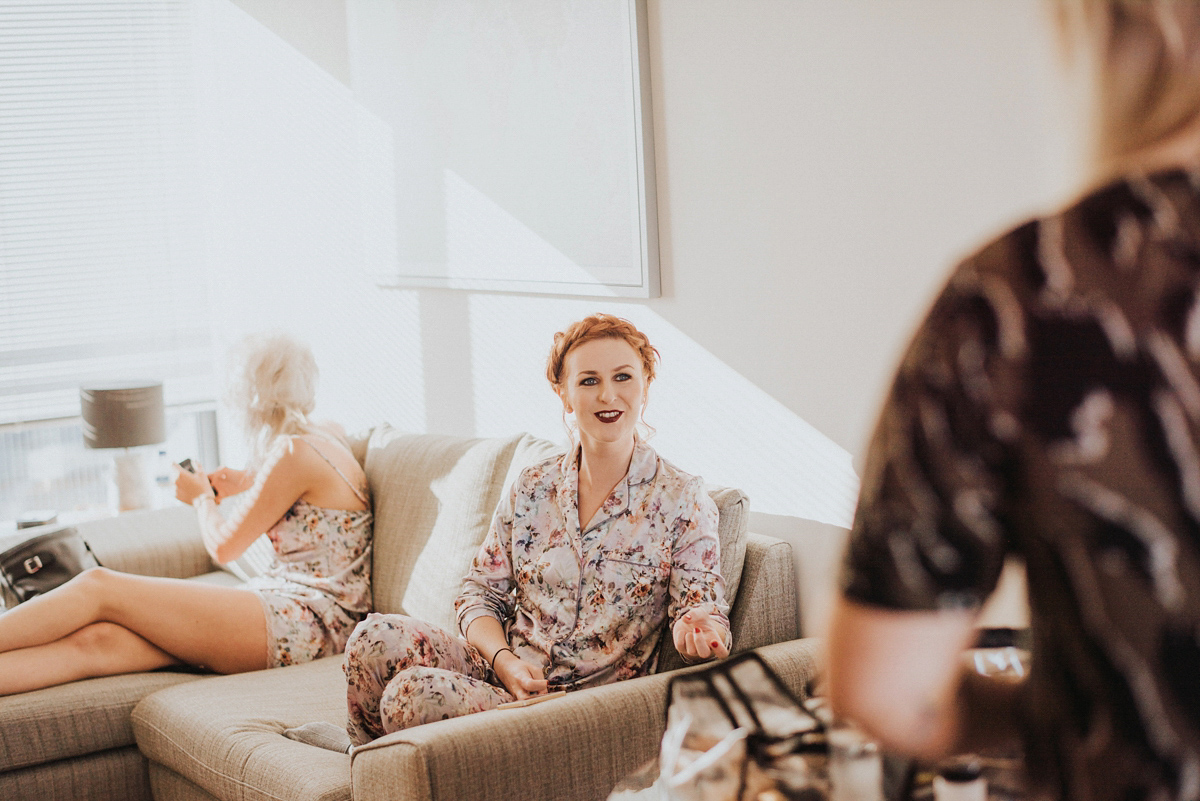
{"type": "Point", "coordinates": [135, 483]}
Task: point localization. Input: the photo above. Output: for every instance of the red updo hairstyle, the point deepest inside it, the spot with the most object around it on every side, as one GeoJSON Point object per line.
{"type": "Point", "coordinates": [599, 326]}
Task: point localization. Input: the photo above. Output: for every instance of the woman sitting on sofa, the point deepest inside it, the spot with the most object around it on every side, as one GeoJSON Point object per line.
{"type": "Point", "coordinates": [588, 554]}
{"type": "Point", "coordinates": [307, 492]}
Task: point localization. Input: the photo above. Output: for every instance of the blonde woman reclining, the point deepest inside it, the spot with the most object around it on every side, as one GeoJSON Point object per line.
{"type": "Point", "coordinates": [306, 491]}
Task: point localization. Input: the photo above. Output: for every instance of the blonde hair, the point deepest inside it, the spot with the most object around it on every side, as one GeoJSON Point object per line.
{"type": "Point", "coordinates": [1146, 57]}
{"type": "Point", "coordinates": [274, 387]}
{"type": "Point", "coordinates": [599, 326]}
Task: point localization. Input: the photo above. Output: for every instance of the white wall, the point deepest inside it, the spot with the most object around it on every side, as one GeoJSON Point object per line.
{"type": "Point", "coordinates": [821, 164]}
{"type": "Point", "coordinates": [830, 160]}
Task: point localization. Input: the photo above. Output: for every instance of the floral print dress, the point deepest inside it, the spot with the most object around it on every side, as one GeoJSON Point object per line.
{"type": "Point", "coordinates": [318, 586]}
{"type": "Point", "coordinates": [588, 605]}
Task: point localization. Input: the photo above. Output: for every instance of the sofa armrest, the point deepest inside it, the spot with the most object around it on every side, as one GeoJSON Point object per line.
{"type": "Point", "coordinates": [767, 608]}
{"type": "Point", "coordinates": [157, 542]}
{"type": "Point", "coordinates": [577, 747]}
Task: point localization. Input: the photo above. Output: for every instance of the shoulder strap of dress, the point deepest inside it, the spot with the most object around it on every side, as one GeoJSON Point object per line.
{"type": "Point", "coordinates": [349, 483]}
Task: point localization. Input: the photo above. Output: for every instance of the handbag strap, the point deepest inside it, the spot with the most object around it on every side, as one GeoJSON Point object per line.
{"type": "Point", "coordinates": [725, 669]}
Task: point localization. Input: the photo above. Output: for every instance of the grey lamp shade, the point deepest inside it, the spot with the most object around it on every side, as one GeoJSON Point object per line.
{"type": "Point", "coordinates": [123, 415]}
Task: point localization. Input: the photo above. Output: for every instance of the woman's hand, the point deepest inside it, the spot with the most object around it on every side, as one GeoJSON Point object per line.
{"type": "Point", "coordinates": [189, 485]}
{"type": "Point", "coordinates": [698, 636]}
{"type": "Point", "coordinates": [519, 677]}
{"type": "Point", "coordinates": [523, 680]}
{"type": "Point", "coordinates": [227, 481]}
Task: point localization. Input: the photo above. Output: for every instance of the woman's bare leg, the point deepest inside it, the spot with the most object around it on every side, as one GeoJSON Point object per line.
{"type": "Point", "coordinates": [100, 649]}
{"type": "Point", "coordinates": [221, 628]}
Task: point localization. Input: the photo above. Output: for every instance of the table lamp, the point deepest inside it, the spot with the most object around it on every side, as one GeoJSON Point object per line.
{"type": "Point", "coordinates": [126, 415]}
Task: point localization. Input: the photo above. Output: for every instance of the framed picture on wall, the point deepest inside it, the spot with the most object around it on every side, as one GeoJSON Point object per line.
{"type": "Point", "coordinates": [521, 138]}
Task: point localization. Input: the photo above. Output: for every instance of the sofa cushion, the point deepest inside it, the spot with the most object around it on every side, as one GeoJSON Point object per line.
{"type": "Point", "coordinates": [118, 774]}
{"type": "Point", "coordinates": [170, 786]}
{"type": "Point", "coordinates": [74, 719]}
{"type": "Point", "coordinates": [225, 734]}
{"type": "Point", "coordinates": [151, 542]}
{"type": "Point", "coordinates": [733, 510]}
{"type": "Point", "coordinates": [433, 497]}
{"type": "Point", "coordinates": [530, 450]}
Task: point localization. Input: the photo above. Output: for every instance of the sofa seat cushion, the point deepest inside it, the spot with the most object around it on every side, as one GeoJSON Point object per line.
{"type": "Point", "coordinates": [150, 542]}
{"type": "Point", "coordinates": [118, 774]}
{"type": "Point", "coordinates": [225, 734]}
{"type": "Point", "coordinates": [76, 719]}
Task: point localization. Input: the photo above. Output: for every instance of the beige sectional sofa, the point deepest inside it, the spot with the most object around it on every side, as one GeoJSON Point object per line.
{"type": "Point", "coordinates": [179, 735]}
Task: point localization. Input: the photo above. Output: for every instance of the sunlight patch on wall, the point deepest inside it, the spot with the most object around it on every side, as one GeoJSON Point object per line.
{"type": "Point", "coordinates": [300, 202]}
{"type": "Point", "coordinates": [302, 191]}
{"type": "Point", "coordinates": [533, 103]}
{"type": "Point", "coordinates": [485, 241]}
{"type": "Point", "coordinates": [710, 420]}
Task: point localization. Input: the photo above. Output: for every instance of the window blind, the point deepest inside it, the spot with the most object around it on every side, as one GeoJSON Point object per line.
{"type": "Point", "coordinates": [100, 269]}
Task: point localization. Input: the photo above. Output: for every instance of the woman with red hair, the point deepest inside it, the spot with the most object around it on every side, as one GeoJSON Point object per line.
{"type": "Point", "coordinates": [588, 554]}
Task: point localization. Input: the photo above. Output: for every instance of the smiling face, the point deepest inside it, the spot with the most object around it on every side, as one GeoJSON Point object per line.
{"type": "Point", "coordinates": [604, 386]}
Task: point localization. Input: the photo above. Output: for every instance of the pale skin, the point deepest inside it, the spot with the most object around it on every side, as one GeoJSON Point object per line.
{"type": "Point", "coordinates": [104, 622]}
{"type": "Point", "coordinates": [604, 385]}
{"type": "Point", "coordinates": [900, 676]}
{"type": "Point", "coordinates": [518, 676]}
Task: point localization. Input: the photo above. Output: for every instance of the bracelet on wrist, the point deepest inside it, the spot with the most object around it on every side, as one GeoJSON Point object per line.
{"type": "Point", "coordinates": [492, 662]}
{"type": "Point", "coordinates": [199, 500]}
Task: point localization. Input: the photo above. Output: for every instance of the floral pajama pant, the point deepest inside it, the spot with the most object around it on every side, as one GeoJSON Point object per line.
{"type": "Point", "coordinates": [402, 672]}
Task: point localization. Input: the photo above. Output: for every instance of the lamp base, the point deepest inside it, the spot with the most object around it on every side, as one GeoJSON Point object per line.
{"type": "Point", "coordinates": [135, 486]}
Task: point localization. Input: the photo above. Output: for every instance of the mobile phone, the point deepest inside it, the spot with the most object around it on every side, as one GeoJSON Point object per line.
{"type": "Point", "coordinates": [186, 464]}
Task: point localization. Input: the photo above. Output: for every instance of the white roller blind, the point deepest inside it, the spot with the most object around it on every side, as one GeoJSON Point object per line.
{"type": "Point", "coordinates": [100, 274]}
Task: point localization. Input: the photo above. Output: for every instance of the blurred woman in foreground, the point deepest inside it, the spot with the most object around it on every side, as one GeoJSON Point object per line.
{"type": "Point", "coordinates": [1049, 407]}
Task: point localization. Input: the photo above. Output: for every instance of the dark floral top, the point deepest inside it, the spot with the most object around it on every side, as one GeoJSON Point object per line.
{"type": "Point", "coordinates": [1049, 407]}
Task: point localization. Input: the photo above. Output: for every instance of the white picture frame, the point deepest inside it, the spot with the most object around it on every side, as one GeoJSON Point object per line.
{"type": "Point", "coordinates": [522, 140]}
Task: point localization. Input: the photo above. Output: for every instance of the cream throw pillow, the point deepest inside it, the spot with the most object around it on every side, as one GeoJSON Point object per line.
{"type": "Point", "coordinates": [433, 498]}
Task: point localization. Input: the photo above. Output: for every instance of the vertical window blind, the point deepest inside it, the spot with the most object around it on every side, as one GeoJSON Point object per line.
{"type": "Point", "coordinates": [101, 275]}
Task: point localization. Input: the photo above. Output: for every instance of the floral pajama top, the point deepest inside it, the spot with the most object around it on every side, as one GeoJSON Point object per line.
{"type": "Point", "coordinates": [589, 605]}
